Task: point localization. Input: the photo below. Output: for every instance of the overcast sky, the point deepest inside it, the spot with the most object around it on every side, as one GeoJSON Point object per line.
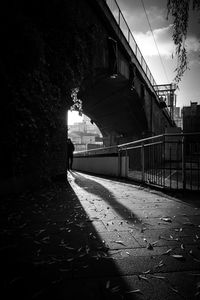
{"type": "Point", "coordinates": [189, 88]}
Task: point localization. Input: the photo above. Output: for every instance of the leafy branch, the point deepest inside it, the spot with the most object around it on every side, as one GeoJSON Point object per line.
{"type": "Point", "coordinates": [180, 11]}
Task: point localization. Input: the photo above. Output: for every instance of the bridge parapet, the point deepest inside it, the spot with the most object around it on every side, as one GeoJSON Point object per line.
{"type": "Point", "coordinates": [121, 21]}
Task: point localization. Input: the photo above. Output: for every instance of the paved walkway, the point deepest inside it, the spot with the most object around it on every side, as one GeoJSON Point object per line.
{"type": "Point", "coordinates": [96, 238]}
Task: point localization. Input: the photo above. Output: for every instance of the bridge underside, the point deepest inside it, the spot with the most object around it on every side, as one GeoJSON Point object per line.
{"type": "Point", "coordinates": [117, 110]}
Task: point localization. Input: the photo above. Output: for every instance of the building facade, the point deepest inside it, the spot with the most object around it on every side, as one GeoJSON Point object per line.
{"type": "Point", "coordinates": [85, 135]}
{"type": "Point", "coordinates": [191, 118]}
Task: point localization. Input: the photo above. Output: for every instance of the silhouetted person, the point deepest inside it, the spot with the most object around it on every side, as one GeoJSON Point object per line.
{"type": "Point", "coordinates": [70, 153]}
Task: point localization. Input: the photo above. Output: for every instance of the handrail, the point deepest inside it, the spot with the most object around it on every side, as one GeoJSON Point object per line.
{"type": "Point", "coordinates": [119, 17]}
{"type": "Point", "coordinates": [126, 145]}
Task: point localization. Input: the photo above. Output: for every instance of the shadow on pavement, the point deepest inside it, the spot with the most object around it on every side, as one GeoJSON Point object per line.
{"type": "Point", "coordinates": [189, 197]}
{"type": "Point", "coordinates": [51, 250]}
{"type": "Point", "coordinates": [95, 188]}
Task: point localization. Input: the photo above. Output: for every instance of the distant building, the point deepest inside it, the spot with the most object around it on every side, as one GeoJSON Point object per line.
{"type": "Point", "coordinates": [85, 135]}
{"type": "Point", "coordinates": [191, 117]}
{"type": "Point", "coordinates": [178, 117]}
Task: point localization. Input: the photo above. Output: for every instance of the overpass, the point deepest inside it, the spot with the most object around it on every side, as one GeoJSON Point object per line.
{"type": "Point", "coordinates": [121, 99]}
{"type": "Point", "coordinates": [48, 49]}
{"type": "Point", "coordinates": [127, 106]}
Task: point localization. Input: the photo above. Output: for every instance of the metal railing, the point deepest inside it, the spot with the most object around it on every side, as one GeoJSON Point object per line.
{"type": "Point", "coordinates": [170, 161]}
{"type": "Point", "coordinates": [121, 21]}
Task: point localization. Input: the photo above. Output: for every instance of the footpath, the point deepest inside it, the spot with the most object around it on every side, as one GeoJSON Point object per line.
{"type": "Point", "coordinates": [97, 238]}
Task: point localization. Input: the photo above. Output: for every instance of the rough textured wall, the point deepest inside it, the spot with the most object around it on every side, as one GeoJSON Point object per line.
{"type": "Point", "coordinates": [47, 48]}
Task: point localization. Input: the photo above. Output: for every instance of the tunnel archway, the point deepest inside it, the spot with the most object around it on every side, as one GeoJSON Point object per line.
{"type": "Point", "coordinates": [83, 132]}
{"type": "Point", "coordinates": [116, 109]}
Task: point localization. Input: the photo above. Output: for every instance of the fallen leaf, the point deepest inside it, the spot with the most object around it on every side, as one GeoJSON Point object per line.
{"type": "Point", "coordinates": [160, 264]}
{"type": "Point", "coordinates": [40, 231]}
{"type": "Point", "coordinates": [166, 219]}
{"type": "Point", "coordinates": [167, 252]}
{"type": "Point", "coordinates": [197, 294]}
{"type": "Point", "coordinates": [64, 270]}
{"type": "Point", "coordinates": [70, 259]}
{"type": "Point", "coordinates": [68, 247]}
{"type": "Point", "coordinates": [119, 242]}
{"type": "Point", "coordinates": [164, 238]}
{"type": "Point", "coordinates": [158, 277]}
{"type": "Point", "coordinates": [46, 239]}
{"type": "Point", "coordinates": [134, 291]}
{"type": "Point", "coordinates": [85, 266]}
{"type": "Point", "coordinates": [188, 223]}
{"type": "Point", "coordinates": [182, 247]}
{"type": "Point", "coordinates": [193, 256]}
{"type": "Point", "coordinates": [149, 246]}
{"type": "Point", "coordinates": [154, 243]}
{"type": "Point", "coordinates": [115, 289]}
{"type": "Point", "coordinates": [143, 278]}
{"type": "Point", "coordinates": [81, 225]}
{"type": "Point", "coordinates": [108, 284]}
{"type": "Point", "coordinates": [174, 289]}
{"type": "Point", "coordinates": [178, 256]}
{"type": "Point", "coordinates": [38, 294]}
{"type": "Point", "coordinates": [146, 272]}
{"type": "Point", "coordinates": [87, 249]}
{"type": "Point", "coordinates": [193, 274]}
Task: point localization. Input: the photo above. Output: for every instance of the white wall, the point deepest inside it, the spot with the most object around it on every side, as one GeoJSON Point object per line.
{"type": "Point", "coordinates": [102, 165]}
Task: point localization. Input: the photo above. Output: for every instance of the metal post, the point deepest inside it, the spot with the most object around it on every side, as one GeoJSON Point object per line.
{"type": "Point", "coordinates": [126, 160]}
{"type": "Point", "coordinates": [170, 167]}
{"type": "Point", "coordinates": [119, 162]}
{"type": "Point", "coordinates": [183, 163]}
{"type": "Point", "coordinates": [128, 36]}
{"type": "Point", "coordinates": [66, 139]}
{"type": "Point", "coordinates": [142, 161]}
{"type": "Point", "coordinates": [164, 149]}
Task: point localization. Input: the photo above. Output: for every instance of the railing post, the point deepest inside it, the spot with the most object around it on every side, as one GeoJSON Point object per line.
{"type": "Point", "coordinates": [126, 161]}
{"type": "Point", "coordinates": [119, 19]}
{"type": "Point", "coordinates": [183, 163]}
{"type": "Point", "coordinates": [164, 156]}
{"type": "Point", "coordinates": [128, 35]}
{"type": "Point", "coordinates": [119, 162]}
{"type": "Point", "coordinates": [142, 161]}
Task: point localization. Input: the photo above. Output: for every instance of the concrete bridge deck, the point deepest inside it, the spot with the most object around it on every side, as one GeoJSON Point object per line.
{"type": "Point", "coordinates": [97, 238]}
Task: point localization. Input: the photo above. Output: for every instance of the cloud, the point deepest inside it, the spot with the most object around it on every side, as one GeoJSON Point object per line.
{"type": "Point", "coordinates": [137, 21]}
{"type": "Point", "coordinates": [162, 30]}
{"type": "Point", "coordinates": [163, 40]}
{"type": "Point", "coordinates": [192, 44]}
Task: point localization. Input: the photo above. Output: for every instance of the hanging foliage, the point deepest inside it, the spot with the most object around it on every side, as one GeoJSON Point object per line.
{"type": "Point", "coordinates": [77, 103]}
{"type": "Point", "coordinates": [180, 11]}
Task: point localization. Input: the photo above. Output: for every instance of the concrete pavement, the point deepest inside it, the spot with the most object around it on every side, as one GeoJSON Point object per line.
{"type": "Point", "coordinates": [100, 239]}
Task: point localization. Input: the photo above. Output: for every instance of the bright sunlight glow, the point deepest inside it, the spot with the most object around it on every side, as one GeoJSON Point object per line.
{"type": "Point", "coordinates": [73, 117]}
